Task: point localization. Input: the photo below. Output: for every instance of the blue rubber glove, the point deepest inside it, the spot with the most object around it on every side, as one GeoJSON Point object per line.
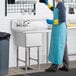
{"type": "Point", "coordinates": [46, 2]}
{"type": "Point", "coordinates": [49, 21]}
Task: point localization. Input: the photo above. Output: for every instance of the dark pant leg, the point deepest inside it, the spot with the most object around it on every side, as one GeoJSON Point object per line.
{"type": "Point", "coordinates": [65, 58]}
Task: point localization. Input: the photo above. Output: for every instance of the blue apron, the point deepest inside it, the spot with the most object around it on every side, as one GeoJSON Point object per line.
{"type": "Point", "coordinates": [58, 40]}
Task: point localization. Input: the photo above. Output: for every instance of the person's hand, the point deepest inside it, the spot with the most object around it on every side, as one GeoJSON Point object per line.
{"type": "Point", "coordinates": [49, 21]}
{"type": "Point", "coordinates": [56, 22]}
{"type": "Point", "coordinates": [47, 3]}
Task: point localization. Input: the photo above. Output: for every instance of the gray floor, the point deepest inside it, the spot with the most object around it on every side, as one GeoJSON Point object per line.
{"type": "Point", "coordinates": [15, 71]}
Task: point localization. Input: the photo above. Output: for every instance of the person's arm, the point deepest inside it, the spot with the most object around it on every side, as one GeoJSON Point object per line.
{"type": "Point", "coordinates": [46, 2]}
{"type": "Point", "coordinates": [62, 13]}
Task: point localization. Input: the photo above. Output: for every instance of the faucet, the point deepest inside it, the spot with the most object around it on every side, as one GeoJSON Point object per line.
{"type": "Point", "coordinates": [26, 23]}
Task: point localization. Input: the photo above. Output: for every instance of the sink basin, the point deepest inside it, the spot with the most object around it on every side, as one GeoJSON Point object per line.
{"type": "Point", "coordinates": [33, 25]}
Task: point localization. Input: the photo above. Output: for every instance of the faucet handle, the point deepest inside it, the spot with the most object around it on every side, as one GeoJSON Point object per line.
{"type": "Point", "coordinates": [26, 23]}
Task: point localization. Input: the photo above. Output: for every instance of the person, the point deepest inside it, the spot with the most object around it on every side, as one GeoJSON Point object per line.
{"type": "Point", "coordinates": [58, 45]}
